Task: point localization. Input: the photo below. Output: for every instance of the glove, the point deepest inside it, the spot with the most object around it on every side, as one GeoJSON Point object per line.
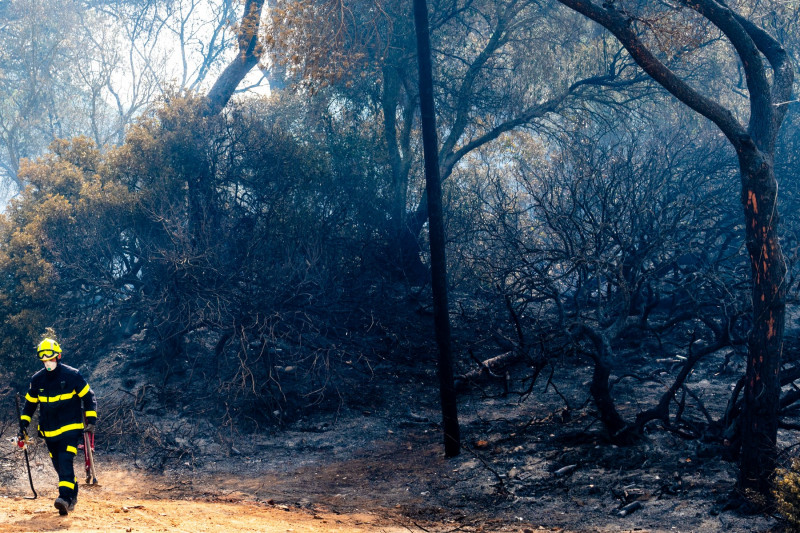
{"type": "Point", "coordinates": [22, 435]}
{"type": "Point", "coordinates": [89, 428]}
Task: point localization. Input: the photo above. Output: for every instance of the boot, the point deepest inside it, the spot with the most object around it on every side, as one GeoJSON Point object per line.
{"type": "Point", "coordinates": [62, 505]}
{"type": "Point", "coordinates": [74, 499]}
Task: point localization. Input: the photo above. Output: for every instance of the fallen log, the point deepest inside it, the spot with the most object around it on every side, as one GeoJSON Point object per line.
{"type": "Point", "coordinates": [490, 368]}
{"type": "Point", "coordinates": [630, 508]}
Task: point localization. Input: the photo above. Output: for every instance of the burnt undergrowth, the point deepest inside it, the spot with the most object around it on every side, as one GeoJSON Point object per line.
{"type": "Point", "coordinates": [532, 430]}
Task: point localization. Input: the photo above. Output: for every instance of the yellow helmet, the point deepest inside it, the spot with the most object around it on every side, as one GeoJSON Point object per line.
{"type": "Point", "coordinates": [48, 349]}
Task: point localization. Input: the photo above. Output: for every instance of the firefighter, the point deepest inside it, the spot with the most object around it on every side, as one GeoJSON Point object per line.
{"type": "Point", "coordinates": [66, 400]}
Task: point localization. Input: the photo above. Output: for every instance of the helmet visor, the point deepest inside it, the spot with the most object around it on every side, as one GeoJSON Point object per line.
{"type": "Point", "coordinates": [46, 355]}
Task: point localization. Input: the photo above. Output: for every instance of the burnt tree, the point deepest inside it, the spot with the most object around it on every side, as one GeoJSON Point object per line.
{"type": "Point", "coordinates": [452, 439]}
{"type": "Point", "coordinates": [754, 143]}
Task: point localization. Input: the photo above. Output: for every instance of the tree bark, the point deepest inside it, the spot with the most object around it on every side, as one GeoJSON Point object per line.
{"type": "Point", "coordinates": [765, 347]}
{"type": "Point", "coordinates": [452, 438]}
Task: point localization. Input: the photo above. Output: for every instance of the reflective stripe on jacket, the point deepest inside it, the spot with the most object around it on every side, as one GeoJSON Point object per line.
{"type": "Point", "coordinates": [63, 398]}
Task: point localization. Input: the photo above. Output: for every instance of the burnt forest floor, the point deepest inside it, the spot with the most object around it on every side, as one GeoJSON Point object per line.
{"type": "Point", "coordinates": [532, 459]}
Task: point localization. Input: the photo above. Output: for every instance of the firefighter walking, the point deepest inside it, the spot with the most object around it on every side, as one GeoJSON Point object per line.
{"type": "Point", "coordinates": [64, 398]}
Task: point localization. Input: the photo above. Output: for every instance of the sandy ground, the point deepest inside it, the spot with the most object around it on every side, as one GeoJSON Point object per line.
{"type": "Point", "coordinates": [106, 509]}
{"type": "Point", "coordinates": [123, 503]}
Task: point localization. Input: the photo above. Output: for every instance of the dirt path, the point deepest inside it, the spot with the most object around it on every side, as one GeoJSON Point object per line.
{"type": "Point", "coordinates": [129, 500]}
{"type": "Point", "coordinates": [123, 504]}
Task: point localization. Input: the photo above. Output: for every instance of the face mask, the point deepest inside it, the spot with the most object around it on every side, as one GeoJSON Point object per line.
{"type": "Point", "coordinates": [51, 365]}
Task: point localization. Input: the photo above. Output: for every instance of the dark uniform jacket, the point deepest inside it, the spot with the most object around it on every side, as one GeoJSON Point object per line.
{"type": "Point", "coordinates": [60, 394]}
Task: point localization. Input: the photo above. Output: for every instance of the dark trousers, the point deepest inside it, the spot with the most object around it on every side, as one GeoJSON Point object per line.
{"type": "Point", "coordinates": [62, 453]}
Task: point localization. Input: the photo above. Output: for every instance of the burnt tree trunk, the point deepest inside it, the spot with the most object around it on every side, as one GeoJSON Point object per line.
{"type": "Point", "coordinates": [599, 387]}
{"type": "Point", "coordinates": [765, 347]}
{"type": "Point", "coordinates": [452, 438]}
{"type": "Point", "coordinates": [601, 394]}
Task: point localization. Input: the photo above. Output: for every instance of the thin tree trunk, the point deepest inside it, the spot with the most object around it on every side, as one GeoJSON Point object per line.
{"type": "Point", "coordinates": [452, 438]}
